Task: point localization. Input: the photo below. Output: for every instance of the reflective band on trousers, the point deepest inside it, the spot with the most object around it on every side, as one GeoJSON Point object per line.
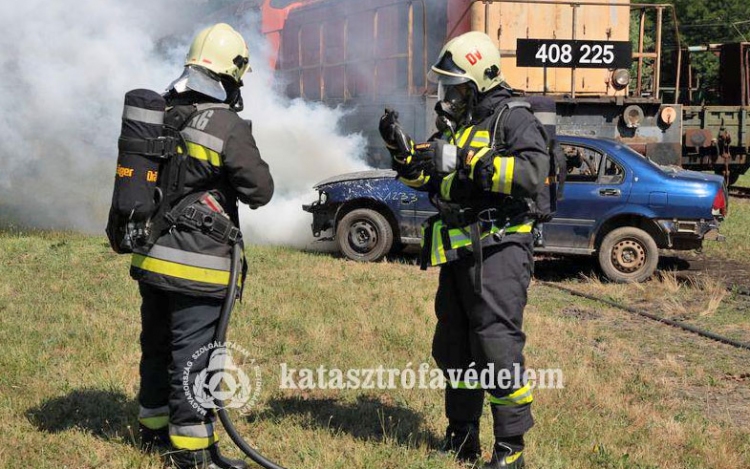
{"type": "Point", "coordinates": [154, 418]}
{"type": "Point", "coordinates": [519, 397]}
{"type": "Point", "coordinates": [193, 437]}
{"type": "Point", "coordinates": [147, 116]}
{"type": "Point", "coordinates": [185, 272]}
{"type": "Point", "coordinates": [460, 238]}
{"type": "Point", "coordinates": [470, 385]}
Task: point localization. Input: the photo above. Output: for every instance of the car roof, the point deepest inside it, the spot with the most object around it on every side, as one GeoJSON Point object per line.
{"type": "Point", "coordinates": [603, 143]}
{"type": "Point", "coordinates": [614, 148]}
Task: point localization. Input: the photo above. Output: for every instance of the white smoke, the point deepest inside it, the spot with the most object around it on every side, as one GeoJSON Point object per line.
{"type": "Point", "coordinates": [66, 66]}
{"type": "Point", "coordinates": [302, 144]}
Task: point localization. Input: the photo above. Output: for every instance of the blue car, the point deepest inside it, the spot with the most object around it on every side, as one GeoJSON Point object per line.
{"type": "Point", "coordinates": [616, 205]}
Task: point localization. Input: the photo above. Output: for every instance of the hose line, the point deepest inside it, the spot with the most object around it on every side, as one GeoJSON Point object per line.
{"type": "Point", "coordinates": [220, 337]}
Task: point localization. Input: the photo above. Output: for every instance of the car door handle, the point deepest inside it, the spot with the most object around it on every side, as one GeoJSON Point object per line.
{"type": "Point", "coordinates": [609, 192]}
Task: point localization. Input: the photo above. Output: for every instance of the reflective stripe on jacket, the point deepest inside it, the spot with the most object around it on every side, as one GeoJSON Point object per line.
{"type": "Point", "coordinates": [224, 162]}
{"type": "Point", "coordinates": [447, 244]}
{"type": "Point", "coordinates": [518, 166]}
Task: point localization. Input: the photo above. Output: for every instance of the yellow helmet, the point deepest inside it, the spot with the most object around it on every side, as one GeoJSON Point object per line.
{"type": "Point", "coordinates": [220, 49]}
{"type": "Point", "coordinates": [471, 57]}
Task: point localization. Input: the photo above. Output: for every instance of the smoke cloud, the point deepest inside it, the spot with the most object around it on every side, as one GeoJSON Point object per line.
{"type": "Point", "coordinates": [66, 66]}
{"type": "Point", "coordinates": [303, 144]}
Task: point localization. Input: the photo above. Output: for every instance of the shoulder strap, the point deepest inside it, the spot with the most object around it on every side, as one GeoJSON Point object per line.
{"type": "Point", "coordinates": [502, 115]}
{"type": "Point", "coordinates": [205, 106]}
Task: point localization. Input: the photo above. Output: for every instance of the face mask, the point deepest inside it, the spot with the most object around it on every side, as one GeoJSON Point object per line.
{"type": "Point", "coordinates": [454, 102]}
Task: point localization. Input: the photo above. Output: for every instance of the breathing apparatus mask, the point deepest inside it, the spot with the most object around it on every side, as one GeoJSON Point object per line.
{"type": "Point", "coordinates": [455, 102]}
{"type": "Point", "coordinates": [454, 108]}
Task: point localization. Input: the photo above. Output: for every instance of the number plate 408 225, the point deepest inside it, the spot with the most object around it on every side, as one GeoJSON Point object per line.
{"type": "Point", "coordinates": [573, 53]}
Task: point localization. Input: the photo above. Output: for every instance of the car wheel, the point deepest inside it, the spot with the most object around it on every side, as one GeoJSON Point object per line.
{"type": "Point", "coordinates": [732, 178]}
{"type": "Point", "coordinates": [364, 235]}
{"type": "Point", "coordinates": [628, 254]}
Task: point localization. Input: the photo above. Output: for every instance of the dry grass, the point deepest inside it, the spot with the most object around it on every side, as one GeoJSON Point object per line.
{"type": "Point", "coordinates": [736, 228]}
{"type": "Point", "coordinates": [666, 295]}
{"type": "Point", "coordinates": [637, 394]}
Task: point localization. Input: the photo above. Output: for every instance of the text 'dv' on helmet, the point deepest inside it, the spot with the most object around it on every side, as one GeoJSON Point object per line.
{"type": "Point", "coordinates": [470, 57]}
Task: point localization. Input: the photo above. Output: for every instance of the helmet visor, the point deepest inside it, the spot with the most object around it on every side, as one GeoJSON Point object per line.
{"type": "Point", "coordinates": [450, 92]}
{"type": "Point", "coordinates": [446, 71]}
{"type": "Point", "coordinates": [455, 98]}
{"type": "Point", "coordinates": [196, 79]}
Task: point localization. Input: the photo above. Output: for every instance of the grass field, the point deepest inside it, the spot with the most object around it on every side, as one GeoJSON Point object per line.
{"type": "Point", "coordinates": [636, 394]}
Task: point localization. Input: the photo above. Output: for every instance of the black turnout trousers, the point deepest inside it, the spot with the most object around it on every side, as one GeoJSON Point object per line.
{"type": "Point", "coordinates": [174, 327]}
{"type": "Point", "coordinates": [485, 329]}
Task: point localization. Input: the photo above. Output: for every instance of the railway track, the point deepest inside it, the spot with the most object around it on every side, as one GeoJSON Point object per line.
{"type": "Point", "coordinates": [646, 314]}
{"type": "Point", "coordinates": [739, 192]}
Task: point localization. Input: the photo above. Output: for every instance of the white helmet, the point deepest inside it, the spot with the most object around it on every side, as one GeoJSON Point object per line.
{"type": "Point", "coordinates": [469, 57]}
{"type": "Point", "coordinates": [216, 51]}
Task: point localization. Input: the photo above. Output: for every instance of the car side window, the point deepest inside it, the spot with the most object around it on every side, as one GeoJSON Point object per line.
{"type": "Point", "coordinates": [589, 165]}
{"type": "Point", "coordinates": [583, 163]}
{"type": "Point", "coordinates": [613, 172]}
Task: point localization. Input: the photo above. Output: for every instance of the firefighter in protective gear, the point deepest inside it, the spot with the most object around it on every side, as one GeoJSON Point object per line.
{"type": "Point", "coordinates": [183, 277]}
{"type": "Point", "coordinates": [482, 239]}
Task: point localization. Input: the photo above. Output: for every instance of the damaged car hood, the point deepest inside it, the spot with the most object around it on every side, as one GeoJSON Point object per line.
{"type": "Point", "coordinates": [359, 175]}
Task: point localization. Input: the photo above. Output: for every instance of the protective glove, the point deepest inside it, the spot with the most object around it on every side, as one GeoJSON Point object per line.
{"type": "Point", "coordinates": [399, 144]}
{"type": "Point", "coordinates": [418, 164]}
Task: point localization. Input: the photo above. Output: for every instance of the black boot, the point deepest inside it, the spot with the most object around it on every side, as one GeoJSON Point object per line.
{"type": "Point", "coordinates": [209, 458]}
{"type": "Point", "coordinates": [505, 456]}
{"type": "Point", "coordinates": [154, 440]}
{"type": "Point", "coordinates": [463, 440]}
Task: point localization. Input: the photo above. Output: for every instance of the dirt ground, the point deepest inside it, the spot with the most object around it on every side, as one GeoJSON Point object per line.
{"type": "Point", "coordinates": [687, 265]}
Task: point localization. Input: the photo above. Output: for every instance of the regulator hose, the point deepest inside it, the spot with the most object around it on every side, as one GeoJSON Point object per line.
{"type": "Point", "coordinates": [220, 337]}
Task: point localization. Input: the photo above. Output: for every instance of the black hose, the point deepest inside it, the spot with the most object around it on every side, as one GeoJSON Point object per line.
{"type": "Point", "coordinates": [686, 327]}
{"type": "Point", "coordinates": [220, 337]}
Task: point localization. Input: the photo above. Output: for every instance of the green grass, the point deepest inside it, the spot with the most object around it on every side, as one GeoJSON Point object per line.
{"type": "Point", "coordinates": [744, 180]}
{"type": "Point", "coordinates": [736, 228]}
{"type": "Point", "coordinates": [637, 394]}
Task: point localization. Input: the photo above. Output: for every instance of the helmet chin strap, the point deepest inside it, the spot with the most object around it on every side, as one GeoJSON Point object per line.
{"type": "Point", "coordinates": [238, 104]}
{"type": "Point", "coordinates": [234, 96]}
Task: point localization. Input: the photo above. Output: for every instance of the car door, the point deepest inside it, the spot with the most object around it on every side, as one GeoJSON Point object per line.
{"type": "Point", "coordinates": [597, 184]}
{"type": "Point", "coordinates": [407, 200]}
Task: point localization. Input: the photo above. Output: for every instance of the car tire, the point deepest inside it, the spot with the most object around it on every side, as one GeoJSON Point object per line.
{"type": "Point", "coordinates": [364, 235]}
{"type": "Point", "coordinates": [731, 179]}
{"type": "Point", "coordinates": [628, 255]}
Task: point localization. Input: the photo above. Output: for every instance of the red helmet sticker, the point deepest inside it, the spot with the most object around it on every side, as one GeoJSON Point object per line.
{"type": "Point", "coordinates": [474, 56]}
